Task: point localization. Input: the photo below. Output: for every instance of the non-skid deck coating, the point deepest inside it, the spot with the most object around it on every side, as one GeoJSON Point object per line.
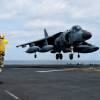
{"type": "Point", "coordinates": [50, 84]}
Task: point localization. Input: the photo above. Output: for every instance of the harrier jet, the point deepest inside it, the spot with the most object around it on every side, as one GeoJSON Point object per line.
{"type": "Point", "coordinates": [70, 41]}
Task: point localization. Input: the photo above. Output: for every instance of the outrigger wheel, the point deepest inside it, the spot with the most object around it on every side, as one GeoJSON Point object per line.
{"type": "Point", "coordinates": [78, 55]}
{"type": "Point", "coordinates": [35, 56]}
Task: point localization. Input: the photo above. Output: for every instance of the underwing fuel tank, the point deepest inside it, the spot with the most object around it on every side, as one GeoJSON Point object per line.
{"type": "Point", "coordinates": [46, 48]}
{"type": "Point", "coordinates": [33, 49]}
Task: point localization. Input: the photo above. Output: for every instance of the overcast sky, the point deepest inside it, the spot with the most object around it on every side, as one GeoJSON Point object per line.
{"type": "Point", "coordinates": [23, 21]}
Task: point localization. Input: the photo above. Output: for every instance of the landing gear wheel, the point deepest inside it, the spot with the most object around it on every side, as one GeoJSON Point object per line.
{"type": "Point", "coordinates": [57, 56]}
{"type": "Point", "coordinates": [35, 56]}
{"type": "Point", "coordinates": [60, 56]}
{"type": "Point", "coordinates": [71, 56]}
{"type": "Point", "coordinates": [78, 55]}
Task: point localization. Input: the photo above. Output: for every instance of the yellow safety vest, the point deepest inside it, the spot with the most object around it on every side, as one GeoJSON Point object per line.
{"type": "Point", "coordinates": [3, 42]}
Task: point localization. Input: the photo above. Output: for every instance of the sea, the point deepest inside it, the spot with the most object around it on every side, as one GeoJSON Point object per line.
{"type": "Point", "coordinates": [50, 62]}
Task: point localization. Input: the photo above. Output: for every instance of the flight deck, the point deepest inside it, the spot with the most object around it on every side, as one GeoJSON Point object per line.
{"type": "Point", "coordinates": [50, 83]}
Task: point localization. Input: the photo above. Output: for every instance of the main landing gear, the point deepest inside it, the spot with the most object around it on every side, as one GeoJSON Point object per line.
{"type": "Point", "coordinates": [59, 56]}
{"type": "Point", "coordinates": [71, 56]}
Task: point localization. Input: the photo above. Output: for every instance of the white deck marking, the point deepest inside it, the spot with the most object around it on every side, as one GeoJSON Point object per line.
{"type": "Point", "coordinates": [60, 70]}
{"type": "Point", "coordinates": [12, 95]}
{"type": "Point", "coordinates": [50, 71]}
{"type": "Point", "coordinates": [70, 69]}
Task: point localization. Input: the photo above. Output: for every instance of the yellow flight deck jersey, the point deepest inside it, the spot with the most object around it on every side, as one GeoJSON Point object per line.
{"type": "Point", "coordinates": [3, 42]}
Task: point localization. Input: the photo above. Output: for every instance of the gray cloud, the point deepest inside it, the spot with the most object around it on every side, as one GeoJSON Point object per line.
{"type": "Point", "coordinates": [25, 19]}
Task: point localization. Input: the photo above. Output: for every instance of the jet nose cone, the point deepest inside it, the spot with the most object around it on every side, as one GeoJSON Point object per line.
{"type": "Point", "coordinates": [86, 35]}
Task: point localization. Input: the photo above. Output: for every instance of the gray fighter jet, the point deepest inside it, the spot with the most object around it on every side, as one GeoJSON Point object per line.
{"type": "Point", "coordinates": [73, 40]}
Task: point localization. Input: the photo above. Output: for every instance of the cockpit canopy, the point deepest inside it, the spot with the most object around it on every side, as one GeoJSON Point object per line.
{"type": "Point", "coordinates": [76, 28]}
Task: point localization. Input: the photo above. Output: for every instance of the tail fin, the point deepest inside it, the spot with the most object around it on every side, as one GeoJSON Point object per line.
{"type": "Point", "coordinates": [45, 33]}
{"type": "Point", "coordinates": [46, 36]}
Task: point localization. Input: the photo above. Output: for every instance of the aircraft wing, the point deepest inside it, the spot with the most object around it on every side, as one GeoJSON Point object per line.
{"type": "Point", "coordinates": [85, 48]}
{"type": "Point", "coordinates": [80, 47]}
{"type": "Point", "coordinates": [41, 42]}
{"type": "Point", "coordinates": [85, 43]}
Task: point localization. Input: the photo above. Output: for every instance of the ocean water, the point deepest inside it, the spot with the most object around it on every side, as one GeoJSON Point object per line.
{"type": "Point", "coordinates": [51, 62]}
